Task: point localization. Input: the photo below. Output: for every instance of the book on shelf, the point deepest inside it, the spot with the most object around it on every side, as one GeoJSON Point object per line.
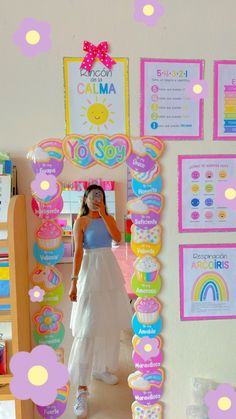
{"type": "Point", "coordinates": [4, 282]}
{"type": "Point", "coordinates": [5, 196]}
{"type": "Point", "coordinates": [8, 186]}
{"type": "Point", "coordinates": [3, 355]}
{"type": "Point", "coordinates": [7, 409]}
{"type": "Point", "coordinates": [14, 189]}
{"type": "Point", "coordinates": [5, 163]}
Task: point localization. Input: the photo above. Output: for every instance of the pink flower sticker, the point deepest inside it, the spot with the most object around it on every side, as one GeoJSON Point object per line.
{"type": "Point", "coordinates": [147, 347]}
{"type": "Point", "coordinates": [44, 186]}
{"type": "Point", "coordinates": [37, 375]}
{"type": "Point", "coordinates": [33, 37]}
{"type": "Point", "coordinates": [36, 294]}
{"type": "Point", "coordinates": [197, 89]}
{"type": "Point", "coordinates": [226, 194]}
{"type": "Point", "coordinates": [148, 11]}
{"type": "Point", "coordinates": [221, 402]}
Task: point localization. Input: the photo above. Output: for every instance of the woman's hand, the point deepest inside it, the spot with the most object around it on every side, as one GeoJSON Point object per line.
{"type": "Point", "coordinates": [100, 208]}
{"type": "Point", "coordinates": [73, 292]}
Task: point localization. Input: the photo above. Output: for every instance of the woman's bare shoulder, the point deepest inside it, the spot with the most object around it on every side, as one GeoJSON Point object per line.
{"type": "Point", "coordinates": [81, 222]}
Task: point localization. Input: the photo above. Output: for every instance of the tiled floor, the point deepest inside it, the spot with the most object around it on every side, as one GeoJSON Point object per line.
{"type": "Point", "coordinates": [106, 401]}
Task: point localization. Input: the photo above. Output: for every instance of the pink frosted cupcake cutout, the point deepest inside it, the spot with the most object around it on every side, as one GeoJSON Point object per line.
{"type": "Point", "coordinates": [49, 235]}
{"type": "Point", "coordinates": [147, 309]}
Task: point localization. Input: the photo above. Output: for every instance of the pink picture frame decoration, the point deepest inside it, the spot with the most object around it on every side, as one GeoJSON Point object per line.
{"type": "Point", "coordinates": [159, 118]}
{"type": "Point", "coordinates": [225, 100]}
{"type": "Point", "coordinates": [207, 284]}
{"type": "Point", "coordinates": [199, 178]}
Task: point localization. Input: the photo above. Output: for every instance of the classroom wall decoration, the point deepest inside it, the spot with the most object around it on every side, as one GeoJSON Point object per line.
{"type": "Point", "coordinates": [142, 155]}
{"type": "Point", "coordinates": [225, 100]}
{"type": "Point", "coordinates": [168, 110]}
{"type": "Point", "coordinates": [207, 193]}
{"type": "Point", "coordinates": [109, 151]}
{"type": "Point", "coordinates": [45, 375]}
{"type": "Point", "coordinates": [47, 157]}
{"type": "Point", "coordinates": [197, 89]}
{"type": "Point", "coordinates": [58, 407]}
{"type": "Point", "coordinates": [100, 52]}
{"type": "Point", "coordinates": [207, 285]}
{"type": "Point", "coordinates": [221, 402]}
{"type": "Point", "coordinates": [148, 12]}
{"type": "Point", "coordinates": [33, 37]}
{"type": "Point", "coordinates": [96, 101]}
{"type": "Point", "coordinates": [49, 279]}
{"type": "Point", "coordinates": [145, 210]}
{"type": "Point", "coordinates": [47, 163]}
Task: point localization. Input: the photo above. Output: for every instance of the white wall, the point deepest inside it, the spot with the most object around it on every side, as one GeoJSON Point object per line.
{"type": "Point", "coordinates": [32, 108]}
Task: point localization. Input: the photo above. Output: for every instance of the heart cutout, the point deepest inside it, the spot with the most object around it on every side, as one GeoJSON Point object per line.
{"type": "Point", "coordinates": [76, 150]}
{"type": "Point", "coordinates": [110, 151]}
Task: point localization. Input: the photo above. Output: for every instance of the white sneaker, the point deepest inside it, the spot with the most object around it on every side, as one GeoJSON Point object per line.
{"type": "Point", "coordinates": [81, 406]}
{"type": "Point", "coordinates": [106, 377]}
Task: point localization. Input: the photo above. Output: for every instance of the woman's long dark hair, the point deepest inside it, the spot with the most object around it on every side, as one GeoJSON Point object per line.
{"type": "Point", "coordinates": [84, 210]}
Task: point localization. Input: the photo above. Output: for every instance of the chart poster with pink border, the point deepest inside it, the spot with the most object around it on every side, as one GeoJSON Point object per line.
{"type": "Point", "coordinates": [225, 100]}
{"type": "Point", "coordinates": [167, 110]}
{"type": "Point", "coordinates": [203, 180]}
{"type": "Point", "coordinates": [207, 281]}
{"type": "Point", "coordinates": [96, 101]}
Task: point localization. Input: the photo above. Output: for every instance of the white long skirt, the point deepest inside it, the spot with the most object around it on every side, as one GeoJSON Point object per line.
{"type": "Point", "coordinates": [101, 311]}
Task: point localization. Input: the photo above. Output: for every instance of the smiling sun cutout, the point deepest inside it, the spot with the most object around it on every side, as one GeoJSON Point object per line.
{"type": "Point", "coordinates": [98, 115]}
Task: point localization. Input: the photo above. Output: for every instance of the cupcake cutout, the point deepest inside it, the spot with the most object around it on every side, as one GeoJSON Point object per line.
{"type": "Point", "coordinates": [146, 329]}
{"type": "Point", "coordinates": [48, 256]}
{"type": "Point", "coordinates": [146, 268]}
{"type": "Point", "coordinates": [146, 289]}
{"type": "Point", "coordinates": [147, 309]}
{"type": "Point", "coordinates": [49, 235]}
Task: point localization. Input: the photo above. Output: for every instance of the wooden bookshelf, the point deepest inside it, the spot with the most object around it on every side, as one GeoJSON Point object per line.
{"type": "Point", "coordinates": [19, 314]}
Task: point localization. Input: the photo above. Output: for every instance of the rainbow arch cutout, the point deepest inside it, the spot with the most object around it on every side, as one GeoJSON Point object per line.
{"type": "Point", "coordinates": [210, 281]}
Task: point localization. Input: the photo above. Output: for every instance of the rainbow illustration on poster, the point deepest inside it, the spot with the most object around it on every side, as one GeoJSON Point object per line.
{"type": "Point", "coordinates": [210, 282]}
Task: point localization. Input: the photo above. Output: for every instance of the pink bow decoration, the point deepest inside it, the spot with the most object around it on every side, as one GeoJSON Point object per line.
{"type": "Point", "coordinates": [93, 52]}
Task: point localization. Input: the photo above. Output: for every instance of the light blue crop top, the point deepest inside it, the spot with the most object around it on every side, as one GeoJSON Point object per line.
{"type": "Point", "coordinates": [96, 235]}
